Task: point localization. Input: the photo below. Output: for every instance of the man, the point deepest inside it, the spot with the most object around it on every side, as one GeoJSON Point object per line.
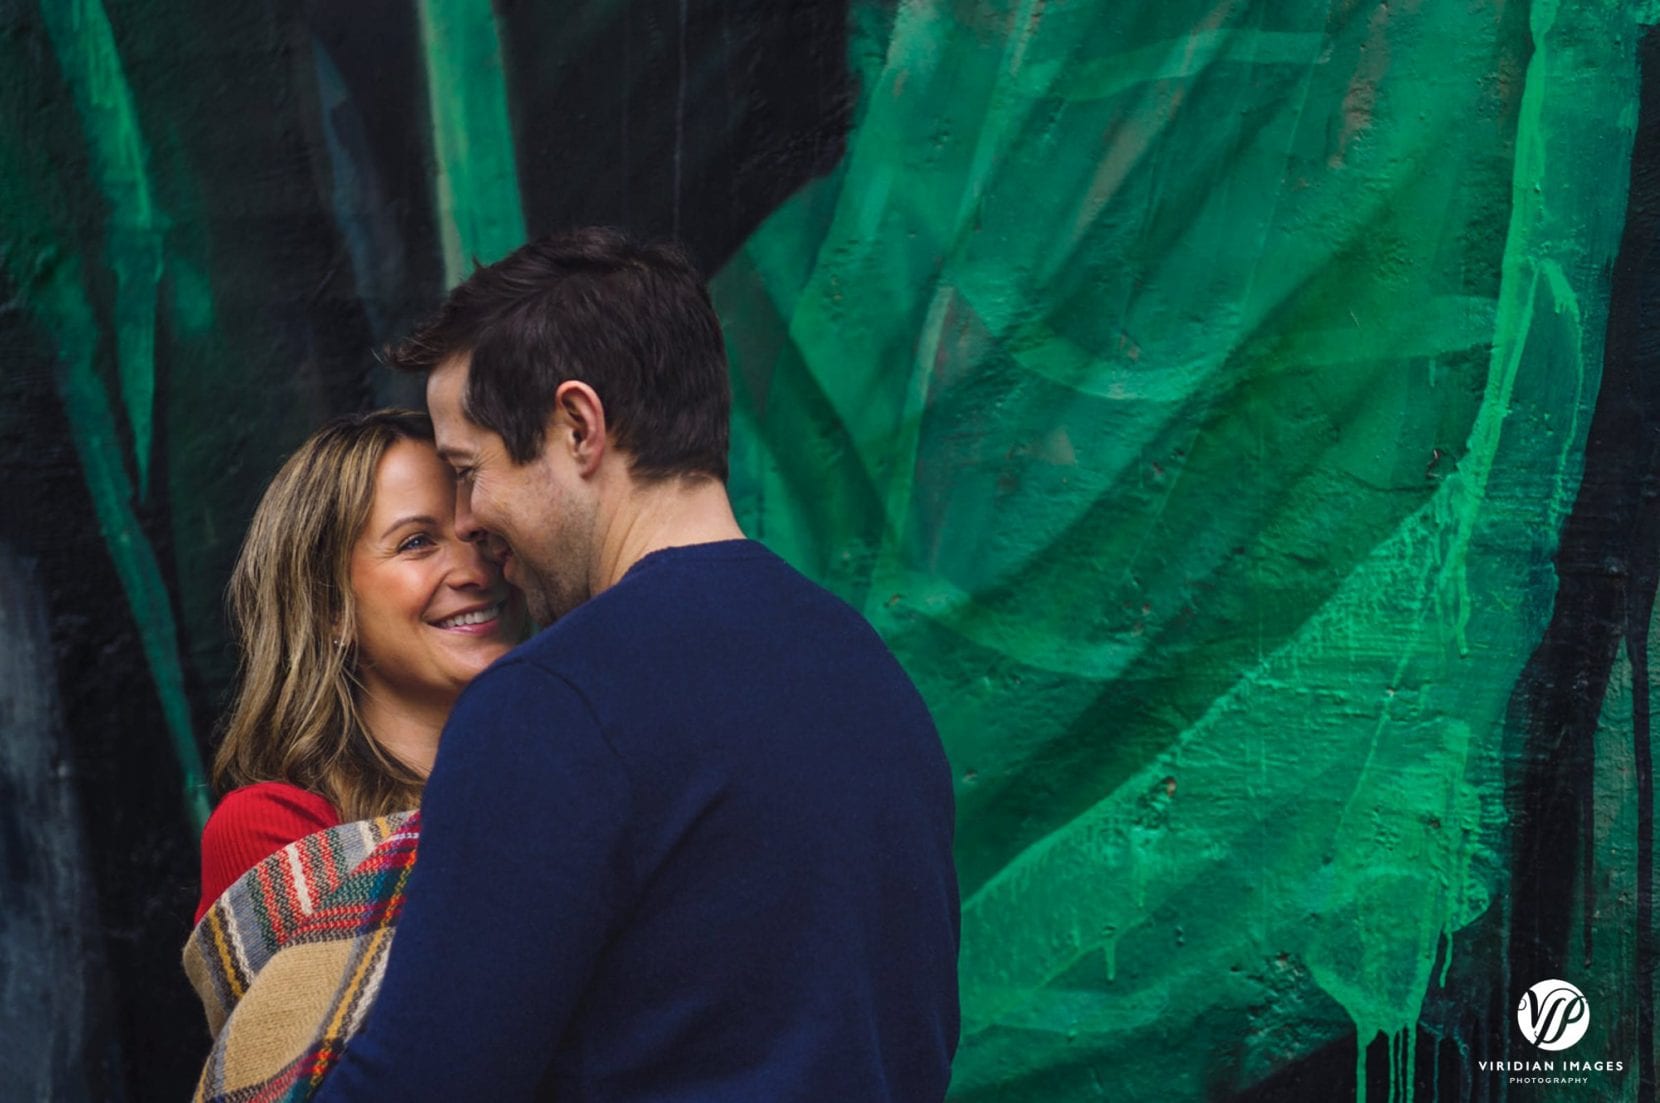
{"type": "Point", "coordinates": [692, 841]}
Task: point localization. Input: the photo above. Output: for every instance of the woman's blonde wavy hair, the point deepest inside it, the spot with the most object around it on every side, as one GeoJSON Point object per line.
{"type": "Point", "coordinates": [295, 716]}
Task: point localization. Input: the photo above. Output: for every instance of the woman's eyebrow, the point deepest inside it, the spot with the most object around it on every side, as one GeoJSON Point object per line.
{"type": "Point", "coordinates": [412, 519]}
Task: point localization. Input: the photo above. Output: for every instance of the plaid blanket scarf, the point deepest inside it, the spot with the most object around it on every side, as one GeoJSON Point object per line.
{"type": "Point", "coordinates": [289, 959]}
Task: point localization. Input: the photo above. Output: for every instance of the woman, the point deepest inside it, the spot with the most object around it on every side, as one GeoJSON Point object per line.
{"type": "Point", "coordinates": [361, 615]}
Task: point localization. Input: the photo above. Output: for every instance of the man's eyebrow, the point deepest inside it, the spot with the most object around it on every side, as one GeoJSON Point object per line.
{"type": "Point", "coordinates": [450, 454]}
{"type": "Point", "coordinates": [412, 519]}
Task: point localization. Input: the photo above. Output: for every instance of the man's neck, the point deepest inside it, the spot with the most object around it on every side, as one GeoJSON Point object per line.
{"type": "Point", "coordinates": [673, 513]}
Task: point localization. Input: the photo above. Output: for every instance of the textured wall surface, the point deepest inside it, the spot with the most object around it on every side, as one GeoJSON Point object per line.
{"type": "Point", "coordinates": [1242, 419]}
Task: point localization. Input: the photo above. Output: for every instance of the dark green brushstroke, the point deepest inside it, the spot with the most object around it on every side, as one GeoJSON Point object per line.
{"type": "Point", "coordinates": [56, 293]}
{"type": "Point", "coordinates": [85, 47]}
{"type": "Point", "coordinates": [480, 216]}
{"type": "Point", "coordinates": [1192, 396]}
{"type": "Point", "coordinates": [53, 287]}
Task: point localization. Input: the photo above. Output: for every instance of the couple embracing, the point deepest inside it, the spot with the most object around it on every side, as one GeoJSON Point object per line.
{"type": "Point", "coordinates": [691, 841]}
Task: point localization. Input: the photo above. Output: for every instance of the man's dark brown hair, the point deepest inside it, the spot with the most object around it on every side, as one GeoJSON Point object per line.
{"type": "Point", "coordinates": [631, 319]}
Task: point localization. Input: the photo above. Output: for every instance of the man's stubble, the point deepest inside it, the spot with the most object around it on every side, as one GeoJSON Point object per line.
{"type": "Point", "coordinates": [553, 567]}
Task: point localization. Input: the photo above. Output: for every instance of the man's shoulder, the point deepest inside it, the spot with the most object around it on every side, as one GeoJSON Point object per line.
{"type": "Point", "coordinates": [677, 589]}
{"type": "Point", "coordinates": [529, 668]}
{"type": "Point", "coordinates": [725, 579]}
{"type": "Point", "coordinates": [700, 609]}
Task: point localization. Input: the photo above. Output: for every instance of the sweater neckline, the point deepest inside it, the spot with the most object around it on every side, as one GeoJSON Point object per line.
{"type": "Point", "coordinates": [741, 548]}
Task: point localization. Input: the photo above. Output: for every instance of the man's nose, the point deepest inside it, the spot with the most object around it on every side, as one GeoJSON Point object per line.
{"type": "Point", "coordinates": [466, 523]}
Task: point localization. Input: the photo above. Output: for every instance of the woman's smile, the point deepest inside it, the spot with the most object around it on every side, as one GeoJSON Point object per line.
{"type": "Point", "coordinates": [477, 620]}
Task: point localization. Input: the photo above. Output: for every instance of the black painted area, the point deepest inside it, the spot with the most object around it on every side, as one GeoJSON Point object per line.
{"type": "Point", "coordinates": [674, 117]}
{"type": "Point", "coordinates": [1608, 564]}
{"type": "Point", "coordinates": [142, 849]}
{"type": "Point", "coordinates": [1634, 339]}
{"type": "Point", "coordinates": [55, 1007]}
{"type": "Point", "coordinates": [360, 74]}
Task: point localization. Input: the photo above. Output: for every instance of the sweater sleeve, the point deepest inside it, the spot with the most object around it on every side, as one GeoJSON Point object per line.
{"type": "Point", "coordinates": [251, 824]}
{"type": "Point", "coordinates": [524, 866]}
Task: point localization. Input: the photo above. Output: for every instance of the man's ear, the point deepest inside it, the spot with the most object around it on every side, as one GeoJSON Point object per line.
{"type": "Point", "coordinates": [578, 427]}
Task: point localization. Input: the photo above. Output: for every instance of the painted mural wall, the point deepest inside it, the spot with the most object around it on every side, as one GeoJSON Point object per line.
{"type": "Point", "coordinates": [1242, 420]}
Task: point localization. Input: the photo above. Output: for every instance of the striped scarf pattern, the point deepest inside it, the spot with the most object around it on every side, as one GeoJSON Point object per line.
{"type": "Point", "coordinates": [289, 958]}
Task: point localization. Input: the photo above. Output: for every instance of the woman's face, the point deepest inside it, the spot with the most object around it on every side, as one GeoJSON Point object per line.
{"type": "Point", "coordinates": [432, 611]}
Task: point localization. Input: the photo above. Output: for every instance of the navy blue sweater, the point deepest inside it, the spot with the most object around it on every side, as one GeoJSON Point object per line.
{"type": "Point", "coordinates": [691, 843]}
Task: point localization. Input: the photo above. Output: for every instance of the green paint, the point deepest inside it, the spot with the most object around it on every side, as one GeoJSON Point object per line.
{"type": "Point", "coordinates": [86, 53]}
{"type": "Point", "coordinates": [1191, 395]}
{"type": "Point", "coordinates": [56, 292]}
{"type": "Point", "coordinates": [191, 301]}
{"type": "Point", "coordinates": [481, 218]}
{"type": "Point", "coordinates": [53, 287]}
{"type": "Point", "coordinates": [1537, 314]}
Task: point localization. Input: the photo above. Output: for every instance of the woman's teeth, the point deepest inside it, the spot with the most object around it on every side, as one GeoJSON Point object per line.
{"type": "Point", "coordinates": [461, 620]}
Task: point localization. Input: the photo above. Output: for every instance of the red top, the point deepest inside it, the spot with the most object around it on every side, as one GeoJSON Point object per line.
{"type": "Point", "coordinates": [251, 824]}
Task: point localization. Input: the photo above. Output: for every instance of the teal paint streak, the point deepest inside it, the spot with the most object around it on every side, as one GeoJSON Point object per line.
{"type": "Point", "coordinates": [85, 47]}
{"type": "Point", "coordinates": [56, 293]}
{"type": "Point", "coordinates": [481, 217]}
{"type": "Point", "coordinates": [53, 288]}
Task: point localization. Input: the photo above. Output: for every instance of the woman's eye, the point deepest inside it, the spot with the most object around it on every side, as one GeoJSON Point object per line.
{"type": "Point", "coordinates": [415, 543]}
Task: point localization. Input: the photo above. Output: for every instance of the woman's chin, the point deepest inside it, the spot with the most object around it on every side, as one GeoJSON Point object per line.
{"type": "Point", "coordinates": [488, 651]}
{"type": "Point", "coordinates": [468, 658]}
